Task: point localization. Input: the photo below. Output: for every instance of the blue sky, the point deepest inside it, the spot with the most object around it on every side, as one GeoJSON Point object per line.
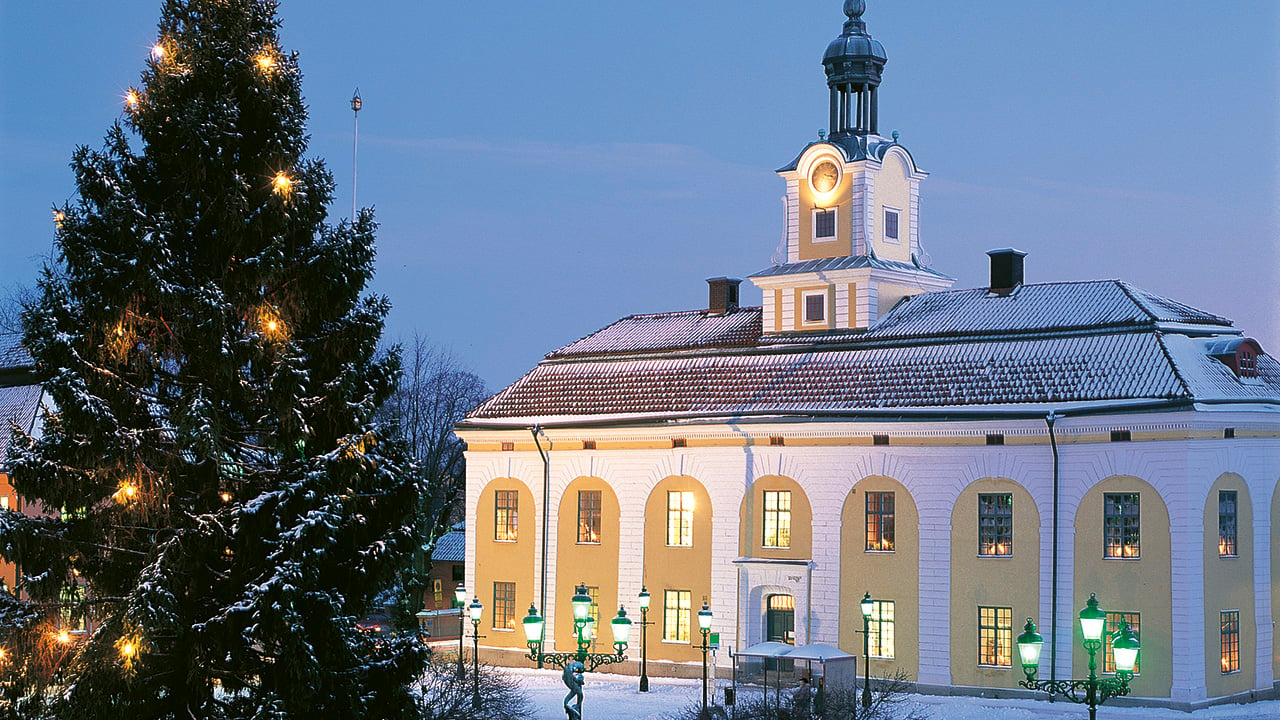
{"type": "Point", "coordinates": [542, 169]}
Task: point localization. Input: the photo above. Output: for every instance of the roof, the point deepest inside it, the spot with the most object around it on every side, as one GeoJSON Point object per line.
{"type": "Point", "coordinates": [450, 547]}
{"type": "Point", "coordinates": [844, 262]}
{"type": "Point", "coordinates": [19, 394]}
{"type": "Point", "coordinates": [1060, 344]}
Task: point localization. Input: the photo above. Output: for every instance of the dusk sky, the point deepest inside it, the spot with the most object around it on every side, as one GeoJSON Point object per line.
{"type": "Point", "coordinates": [541, 169]}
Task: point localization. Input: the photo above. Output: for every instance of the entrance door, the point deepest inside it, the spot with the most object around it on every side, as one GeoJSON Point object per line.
{"type": "Point", "coordinates": [780, 626]}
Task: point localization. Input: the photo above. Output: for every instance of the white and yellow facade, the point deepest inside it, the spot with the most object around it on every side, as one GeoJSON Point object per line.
{"type": "Point", "coordinates": [969, 458]}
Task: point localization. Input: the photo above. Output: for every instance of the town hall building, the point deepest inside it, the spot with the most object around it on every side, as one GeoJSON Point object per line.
{"type": "Point", "coordinates": [969, 458]}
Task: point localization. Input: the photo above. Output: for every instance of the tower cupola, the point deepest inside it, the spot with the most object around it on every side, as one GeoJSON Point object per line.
{"type": "Point", "coordinates": [853, 63]}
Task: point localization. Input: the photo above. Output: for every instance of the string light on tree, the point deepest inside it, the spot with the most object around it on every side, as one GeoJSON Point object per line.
{"type": "Point", "coordinates": [282, 185]}
{"type": "Point", "coordinates": [131, 99]}
{"type": "Point", "coordinates": [58, 218]}
{"type": "Point", "coordinates": [127, 492]}
{"type": "Point", "coordinates": [266, 61]}
{"type": "Point", "coordinates": [158, 52]}
{"type": "Point", "coordinates": [63, 637]}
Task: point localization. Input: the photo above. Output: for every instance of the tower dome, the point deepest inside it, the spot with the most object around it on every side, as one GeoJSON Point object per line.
{"type": "Point", "coordinates": [853, 63]}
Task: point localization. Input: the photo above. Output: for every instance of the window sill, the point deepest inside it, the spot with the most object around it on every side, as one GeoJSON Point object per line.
{"type": "Point", "coordinates": [582, 542]}
{"type": "Point", "coordinates": [685, 643]}
{"type": "Point", "coordinates": [503, 630]}
{"type": "Point", "coordinates": [995, 667]}
{"type": "Point", "coordinates": [1231, 672]}
{"type": "Point", "coordinates": [1134, 557]}
{"type": "Point", "coordinates": [680, 546]}
{"type": "Point", "coordinates": [506, 542]}
{"type": "Point", "coordinates": [995, 557]}
{"type": "Point", "coordinates": [880, 552]}
{"type": "Point", "coordinates": [1230, 557]}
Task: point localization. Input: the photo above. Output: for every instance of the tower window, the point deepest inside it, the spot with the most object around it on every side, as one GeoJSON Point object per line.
{"type": "Point", "coordinates": [891, 225]}
{"type": "Point", "coordinates": [815, 307]}
{"type": "Point", "coordinates": [824, 224]}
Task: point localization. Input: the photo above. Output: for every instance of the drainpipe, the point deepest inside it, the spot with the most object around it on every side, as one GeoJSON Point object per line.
{"type": "Point", "coordinates": [1049, 420]}
{"type": "Point", "coordinates": [536, 430]}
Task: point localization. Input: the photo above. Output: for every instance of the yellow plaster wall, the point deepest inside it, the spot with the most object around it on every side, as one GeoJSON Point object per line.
{"type": "Point", "coordinates": [893, 189]}
{"type": "Point", "coordinates": [886, 575]}
{"type": "Point", "coordinates": [888, 295]}
{"type": "Point", "coordinates": [677, 568]}
{"type": "Point", "coordinates": [505, 561]}
{"type": "Point", "coordinates": [841, 198]}
{"type": "Point", "coordinates": [751, 521]}
{"type": "Point", "coordinates": [594, 565]}
{"type": "Point", "coordinates": [1228, 585]}
{"type": "Point", "coordinates": [1140, 585]}
{"type": "Point", "coordinates": [1012, 582]}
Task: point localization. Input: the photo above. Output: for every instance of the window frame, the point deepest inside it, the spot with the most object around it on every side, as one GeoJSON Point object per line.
{"type": "Point", "coordinates": [1229, 641]}
{"type": "Point", "coordinates": [1115, 620]}
{"type": "Point", "coordinates": [881, 632]}
{"type": "Point", "coordinates": [896, 238]}
{"type": "Point", "coordinates": [589, 524]}
{"type": "Point", "coordinates": [994, 525]}
{"type": "Point", "coordinates": [1228, 524]}
{"type": "Point", "coordinates": [504, 607]}
{"type": "Point", "coordinates": [676, 616]}
{"type": "Point", "coordinates": [834, 214]}
{"type": "Point", "coordinates": [884, 525]}
{"type": "Point", "coordinates": [506, 518]}
{"type": "Point", "coordinates": [805, 297]}
{"type": "Point", "coordinates": [995, 634]}
{"type": "Point", "coordinates": [1121, 529]}
{"type": "Point", "coordinates": [781, 517]}
{"type": "Point", "coordinates": [682, 517]}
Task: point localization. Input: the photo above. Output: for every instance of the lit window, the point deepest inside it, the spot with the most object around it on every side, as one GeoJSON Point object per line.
{"type": "Point", "coordinates": [1115, 621]}
{"type": "Point", "coordinates": [504, 606]}
{"type": "Point", "coordinates": [777, 518]}
{"type": "Point", "coordinates": [995, 524]}
{"type": "Point", "coordinates": [815, 307]}
{"type": "Point", "coordinates": [880, 521]}
{"type": "Point", "coordinates": [995, 636]}
{"type": "Point", "coordinates": [505, 514]}
{"type": "Point", "coordinates": [676, 606]}
{"type": "Point", "coordinates": [1230, 621]}
{"type": "Point", "coordinates": [71, 618]}
{"type": "Point", "coordinates": [824, 224]}
{"type": "Point", "coordinates": [4, 502]}
{"type": "Point", "coordinates": [588, 516]}
{"type": "Point", "coordinates": [1227, 523]}
{"type": "Point", "coordinates": [890, 225]}
{"type": "Point", "coordinates": [880, 639]}
{"type": "Point", "coordinates": [680, 519]}
{"type": "Point", "coordinates": [1121, 528]}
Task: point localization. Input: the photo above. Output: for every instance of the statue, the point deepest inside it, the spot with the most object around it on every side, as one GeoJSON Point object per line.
{"type": "Point", "coordinates": [572, 677]}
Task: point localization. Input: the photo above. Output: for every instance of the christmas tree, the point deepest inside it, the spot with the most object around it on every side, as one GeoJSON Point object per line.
{"type": "Point", "coordinates": [220, 507]}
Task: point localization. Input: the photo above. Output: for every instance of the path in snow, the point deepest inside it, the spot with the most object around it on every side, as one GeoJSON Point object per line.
{"type": "Point", "coordinates": [613, 697]}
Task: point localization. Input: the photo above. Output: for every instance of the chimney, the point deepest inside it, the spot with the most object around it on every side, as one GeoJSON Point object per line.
{"type": "Point", "coordinates": [723, 295]}
{"type": "Point", "coordinates": [1006, 269]}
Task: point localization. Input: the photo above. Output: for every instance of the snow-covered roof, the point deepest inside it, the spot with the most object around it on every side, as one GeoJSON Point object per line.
{"type": "Point", "coordinates": [19, 395]}
{"type": "Point", "coordinates": [844, 262]}
{"type": "Point", "coordinates": [1085, 343]}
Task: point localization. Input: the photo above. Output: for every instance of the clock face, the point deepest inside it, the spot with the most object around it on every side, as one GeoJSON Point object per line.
{"type": "Point", "coordinates": [824, 176]}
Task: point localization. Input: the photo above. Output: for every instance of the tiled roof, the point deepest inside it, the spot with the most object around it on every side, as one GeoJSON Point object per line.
{"type": "Point", "coordinates": [450, 547]}
{"type": "Point", "coordinates": [13, 356]}
{"type": "Point", "coordinates": [955, 351]}
{"type": "Point", "coordinates": [18, 404]}
{"type": "Point", "coordinates": [670, 331]}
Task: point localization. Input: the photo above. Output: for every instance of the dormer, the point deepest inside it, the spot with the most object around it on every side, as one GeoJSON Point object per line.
{"type": "Point", "coordinates": [1239, 354]}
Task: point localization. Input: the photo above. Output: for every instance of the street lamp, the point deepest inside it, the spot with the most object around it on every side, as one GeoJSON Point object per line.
{"type": "Point", "coordinates": [1092, 691]}
{"type": "Point", "coordinates": [580, 661]}
{"type": "Point", "coordinates": [460, 601]}
{"type": "Point", "coordinates": [704, 625]}
{"type": "Point", "coordinates": [868, 605]}
{"type": "Point", "coordinates": [475, 609]}
{"type": "Point", "coordinates": [644, 639]}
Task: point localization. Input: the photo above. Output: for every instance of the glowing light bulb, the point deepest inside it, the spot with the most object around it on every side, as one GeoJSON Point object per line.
{"type": "Point", "coordinates": [272, 325]}
{"type": "Point", "coordinates": [266, 62]}
{"type": "Point", "coordinates": [63, 637]}
{"type": "Point", "coordinates": [131, 98]}
{"type": "Point", "coordinates": [157, 52]}
{"type": "Point", "coordinates": [58, 217]}
{"type": "Point", "coordinates": [226, 496]}
{"type": "Point", "coordinates": [282, 185]}
{"type": "Point", "coordinates": [128, 650]}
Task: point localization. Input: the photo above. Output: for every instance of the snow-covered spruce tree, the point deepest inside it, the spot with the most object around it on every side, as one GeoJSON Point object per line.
{"type": "Point", "coordinates": [222, 506]}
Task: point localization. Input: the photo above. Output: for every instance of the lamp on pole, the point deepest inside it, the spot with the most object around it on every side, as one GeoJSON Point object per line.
{"type": "Point", "coordinates": [868, 605]}
{"type": "Point", "coordinates": [644, 639]}
{"type": "Point", "coordinates": [704, 625]}
{"type": "Point", "coordinates": [475, 609]}
{"type": "Point", "coordinates": [576, 663]}
{"type": "Point", "coordinates": [460, 601]}
{"type": "Point", "coordinates": [1092, 691]}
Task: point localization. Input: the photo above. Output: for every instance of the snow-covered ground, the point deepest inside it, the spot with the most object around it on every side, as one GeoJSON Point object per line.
{"type": "Point", "coordinates": [611, 697]}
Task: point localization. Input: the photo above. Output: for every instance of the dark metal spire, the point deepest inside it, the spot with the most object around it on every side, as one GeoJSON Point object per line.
{"type": "Point", "coordinates": [853, 63]}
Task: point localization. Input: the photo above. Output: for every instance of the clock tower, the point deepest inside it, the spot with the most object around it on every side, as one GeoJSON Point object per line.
{"type": "Point", "coordinates": [852, 207]}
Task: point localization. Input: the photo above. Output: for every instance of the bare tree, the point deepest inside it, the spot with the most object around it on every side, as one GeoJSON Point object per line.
{"type": "Point", "coordinates": [16, 297]}
{"type": "Point", "coordinates": [433, 394]}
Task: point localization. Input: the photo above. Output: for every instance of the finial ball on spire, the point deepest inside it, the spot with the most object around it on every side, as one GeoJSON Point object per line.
{"type": "Point", "coordinates": [853, 9]}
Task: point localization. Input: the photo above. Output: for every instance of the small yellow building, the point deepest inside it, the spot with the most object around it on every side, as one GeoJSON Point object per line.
{"type": "Point", "coordinates": [968, 458]}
